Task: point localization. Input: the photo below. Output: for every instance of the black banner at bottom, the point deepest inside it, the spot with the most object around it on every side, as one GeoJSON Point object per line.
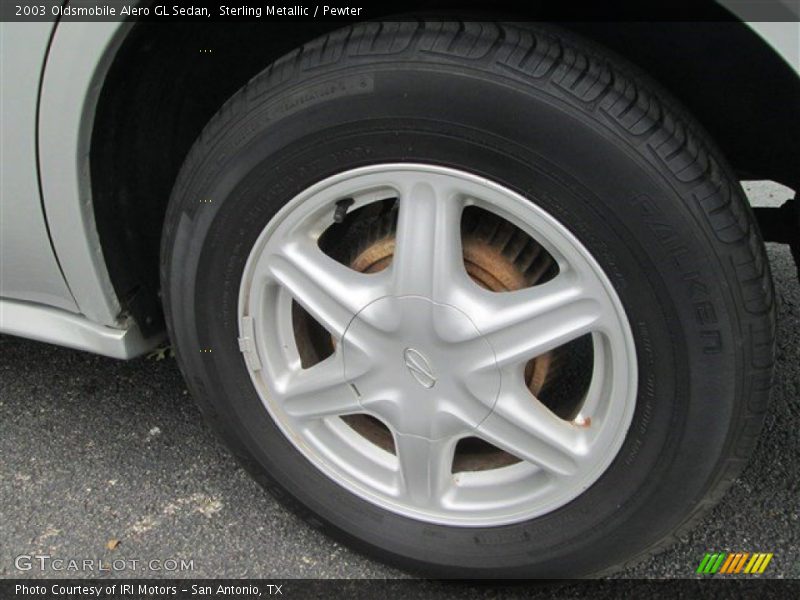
{"type": "Point", "coordinates": [388, 589]}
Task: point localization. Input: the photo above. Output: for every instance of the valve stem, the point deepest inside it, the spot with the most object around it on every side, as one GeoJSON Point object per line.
{"type": "Point", "coordinates": [341, 209]}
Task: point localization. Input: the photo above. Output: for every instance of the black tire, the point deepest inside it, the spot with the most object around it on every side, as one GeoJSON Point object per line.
{"type": "Point", "coordinates": [598, 145]}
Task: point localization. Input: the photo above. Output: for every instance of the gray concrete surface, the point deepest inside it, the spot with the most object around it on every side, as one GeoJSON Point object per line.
{"type": "Point", "coordinates": [94, 450]}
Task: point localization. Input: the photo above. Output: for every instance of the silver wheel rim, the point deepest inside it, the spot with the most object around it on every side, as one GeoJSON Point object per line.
{"type": "Point", "coordinates": [432, 355]}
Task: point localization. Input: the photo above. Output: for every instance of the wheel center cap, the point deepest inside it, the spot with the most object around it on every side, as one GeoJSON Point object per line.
{"type": "Point", "coordinates": [419, 367]}
{"type": "Point", "coordinates": [446, 379]}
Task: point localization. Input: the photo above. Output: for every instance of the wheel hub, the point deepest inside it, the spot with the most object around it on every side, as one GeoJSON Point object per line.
{"type": "Point", "coordinates": [421, 381]}
{"type": "Point", "coordinates": [486, 263]}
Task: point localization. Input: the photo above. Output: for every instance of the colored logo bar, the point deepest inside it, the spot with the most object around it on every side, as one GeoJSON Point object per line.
{"type": "Point", "coordinates": [726, 563]}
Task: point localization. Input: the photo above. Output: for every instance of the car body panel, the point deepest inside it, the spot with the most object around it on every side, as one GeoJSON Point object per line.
{"type": "Point", "coordinates": [29, 268]}
{"type": "Point", "coordinates": [47, 324]}
{"type": "Point", "coordinates": [782, 37]}
{"type": "Point", "coordinates": [69, 93]}
{"type": "Point", "coordinates": [35, 300]}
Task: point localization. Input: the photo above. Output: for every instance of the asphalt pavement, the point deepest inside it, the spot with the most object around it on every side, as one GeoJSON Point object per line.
{"type": "Point", "coordinates": [104, 459]}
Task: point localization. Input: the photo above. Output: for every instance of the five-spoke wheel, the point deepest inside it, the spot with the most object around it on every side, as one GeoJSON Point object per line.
{"type": "Point", "coordinates": [432, 355]}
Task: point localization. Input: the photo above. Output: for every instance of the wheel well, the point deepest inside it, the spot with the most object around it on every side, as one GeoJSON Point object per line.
{"type": "Point", "coordinates": [167, 80]}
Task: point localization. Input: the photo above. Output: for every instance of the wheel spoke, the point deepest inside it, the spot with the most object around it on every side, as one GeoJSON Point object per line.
{"type": "Point", "coordinates": [428, 253]}
{"type": "Point", "coordinates": [331, 292]}
{"type": "Point", "coordinates": [523, 324]}
{"type": "Point", "coordinates": [524, 427]}
{"type": "Point", "coordinates": [599, 384]}
{"type": "Point", "coordinates": [319, 391]}
{"type": "Point", "coordinates": [425, 468]}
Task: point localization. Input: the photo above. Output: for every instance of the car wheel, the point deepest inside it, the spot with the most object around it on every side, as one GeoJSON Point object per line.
{"type": "Point", "coordinates": [480, 300]}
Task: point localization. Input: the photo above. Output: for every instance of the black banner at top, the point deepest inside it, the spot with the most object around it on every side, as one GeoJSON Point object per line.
{"type": "Point", "coordinates": [356, 10]}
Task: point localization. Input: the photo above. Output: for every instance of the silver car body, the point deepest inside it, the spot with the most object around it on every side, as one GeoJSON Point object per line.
{"type": "Point", "coordinates": [54, 284]}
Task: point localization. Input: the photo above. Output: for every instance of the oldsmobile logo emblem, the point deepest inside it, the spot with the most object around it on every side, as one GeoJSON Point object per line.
{"type": "Point", "coordinates": [419, 367]}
